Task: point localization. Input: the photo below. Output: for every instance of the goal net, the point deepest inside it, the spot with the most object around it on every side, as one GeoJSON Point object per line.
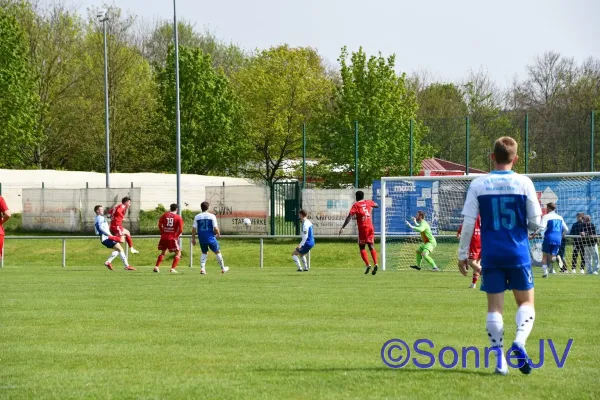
{"type": "Point", "coordinates": [442, 199]}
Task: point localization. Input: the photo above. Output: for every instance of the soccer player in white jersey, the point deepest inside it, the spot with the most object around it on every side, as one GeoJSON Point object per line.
{"type": "Point", "coordinates": [206, 227]}
{"type": "Point", "coordinates": [555, 229]}
{"type": "Point", "coordinates": [307, 243]}
{"type": "Point", "coordinates": [509, 208]}
{"type": "Point", "coordinates": [108, 240]}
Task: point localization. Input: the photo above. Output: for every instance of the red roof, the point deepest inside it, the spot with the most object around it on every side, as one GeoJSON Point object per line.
{"type": "Point", "coordinates": [436, 164]}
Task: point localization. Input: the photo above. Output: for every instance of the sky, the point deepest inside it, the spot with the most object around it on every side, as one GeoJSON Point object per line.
{"type": "Point", "coordinates": [446, 38]}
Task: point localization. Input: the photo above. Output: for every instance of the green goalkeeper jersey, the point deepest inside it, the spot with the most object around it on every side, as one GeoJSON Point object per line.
{"type": "Point", "coordinates": [425, 230]}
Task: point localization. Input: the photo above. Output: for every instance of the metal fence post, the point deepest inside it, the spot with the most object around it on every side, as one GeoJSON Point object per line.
{"type": "Point", "coordinates": [64, 252]}
{"type": "Point", "coordinates": [262, 252]}
{"type": "Point", "coordinates": [308, 261]}
{"type": "Point", "coordinates": [410, 146]}
{"type": "Point", "coordinates": [356, 154]}
{"type": "Point", "coordinates": [127, 251]}
{"type": "Point", "coordinates": [526, 143]}
{"type": "Point", "coordinates": [191, 253]}
{"type": "Point", "coordinates": [592, 141]}
{"type": "Point", "coordinates": [467, 145]}
{"type": "Point", "coordinates": [304, 155]}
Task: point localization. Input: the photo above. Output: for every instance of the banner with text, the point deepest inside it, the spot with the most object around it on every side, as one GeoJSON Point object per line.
{"type": "Point", "coordinates": [233, 204]}
{"type": "Point", "coordinates": [328, 208]}
{"type": "Point", "coordinates": [72, 210]}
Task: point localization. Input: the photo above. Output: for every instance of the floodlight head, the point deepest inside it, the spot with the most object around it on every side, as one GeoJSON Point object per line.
{"type": "Point", "coordinates": [102, 15]}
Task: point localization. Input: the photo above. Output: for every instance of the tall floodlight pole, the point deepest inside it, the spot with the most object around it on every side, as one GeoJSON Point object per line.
{"type": "Point", "coordinates": [177, 114]}
{"type": "Point", "coordinates": [103, 17]}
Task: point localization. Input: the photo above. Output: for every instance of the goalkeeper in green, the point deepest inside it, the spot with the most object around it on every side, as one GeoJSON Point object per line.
{"type": "Point", "coordinates": [429, 243]}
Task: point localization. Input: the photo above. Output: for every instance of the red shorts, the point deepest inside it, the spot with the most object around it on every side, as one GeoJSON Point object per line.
{"type": "Point", "coordinates": [366, 236]}
{"type": "Point", "coordinates": [116, 230]}
{"type": "Point", "coordinates": [474, 253]}
{"type": "Point", "coordinates": [168, 244]}
{"type": "Point", "coordinates": [1, 244]}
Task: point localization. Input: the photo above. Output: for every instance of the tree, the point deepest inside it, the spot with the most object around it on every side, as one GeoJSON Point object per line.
{"type": "Point", "coordinates": [134, 144]}
{"type": "Point", "coordinates": [558, 95]}
{"type": "Point", "coordinates": [372, 94]}
{"type": "Point", "coordinates": [18, 101]}
{"type": "Point", "coordinates": [55, 44]}
{"type": "Point", "coordinates": [280, 89]}
{"type": "Point", "coordinates": [155, 43]}
{"type": "Point", "coordinates": [212, 141]}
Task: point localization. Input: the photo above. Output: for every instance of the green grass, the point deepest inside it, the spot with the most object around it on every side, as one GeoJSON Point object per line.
{"type": "Point", "coordinates": [86, 332]}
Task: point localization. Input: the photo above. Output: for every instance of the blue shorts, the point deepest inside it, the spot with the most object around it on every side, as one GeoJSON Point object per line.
{"type": "Point", "coordinates": [109, 243]}
{"type": "Point", "coordinates": [498, 280]}
{"type": "Point", "coordinates": [305, 249]}
{"type": "Point", "coordinates": [550, 248]}
{"type": "Point", "coordinates": [213, 245]}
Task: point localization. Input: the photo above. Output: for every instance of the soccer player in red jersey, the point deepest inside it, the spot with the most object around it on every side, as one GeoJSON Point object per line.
{"type": "Point", "coordinates": [4, 216]}
{"type": "Point", "coordinates": [117, 214]}
{"type": "Point", "coordinates": [474, 251]}
{"type": "Point", "coordinates": [171, 227]}
{"type": "Point", "coordinates": [362, 210]}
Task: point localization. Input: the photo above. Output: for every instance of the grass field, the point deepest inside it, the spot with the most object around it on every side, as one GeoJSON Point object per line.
{"type": "Point", "coordinates": [86, 332]}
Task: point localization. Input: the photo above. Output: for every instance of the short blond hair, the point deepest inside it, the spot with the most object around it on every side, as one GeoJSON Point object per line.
{"type": "Point", "coordinates": [505, 150]}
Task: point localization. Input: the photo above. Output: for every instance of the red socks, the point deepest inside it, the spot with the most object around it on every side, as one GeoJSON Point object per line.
{"type": "Point", "coordinates": [175, 262]}
{"type": "Point", "coordinates": [159, 260]}
{"type": "Point", "coordinates": [374, 255]}
{"type": "Point", "coordinates": [364, 256]}
{"type": "Point", "coordinates": [475, 278]}
{"type": "Point", "coordinates": [129, 241]}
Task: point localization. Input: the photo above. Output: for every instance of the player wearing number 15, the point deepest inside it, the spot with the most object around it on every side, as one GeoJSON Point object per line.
{"type": "Point", "coordinates": [509, 208]}
{"type": "Point", "coordinates": [171, 228]}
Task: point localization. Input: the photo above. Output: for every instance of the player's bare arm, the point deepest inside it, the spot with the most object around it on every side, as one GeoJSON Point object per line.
{"type": "Point", "coordinates": [346, 222]}
{"type": "Point", "coordinates": [5, 216]}
{"type": "Point", "coordinates": [217, 232]}
{"type": "Point", "coordinates": [193, 236]}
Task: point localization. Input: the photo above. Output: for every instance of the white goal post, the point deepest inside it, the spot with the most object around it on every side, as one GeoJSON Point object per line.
{"type": "Point", "coordinates": [442, 198]}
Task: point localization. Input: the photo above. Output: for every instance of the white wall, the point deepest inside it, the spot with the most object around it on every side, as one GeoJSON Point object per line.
{"type": "Point", "coordinates": [156, 188]}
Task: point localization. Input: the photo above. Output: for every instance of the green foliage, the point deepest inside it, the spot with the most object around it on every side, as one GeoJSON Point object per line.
{"type": "Point", "coordinates": [18, 100]}
{"type": "Point", "coordinates": [225, 57]}
{"type": "Point", "coordinates": [374, 95]}
{"type": "Point", "coordinates": [149, 220]}
{"type": "Point", "coordinates": [212, 140]}
{"type": "Point", "coordinates": [280, 89]}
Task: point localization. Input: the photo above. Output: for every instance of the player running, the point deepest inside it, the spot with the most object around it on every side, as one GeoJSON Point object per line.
{"type": "Point", "coordinates": [307, 243]}
{"type": "Point", "coordinates": [429, 243]}
{"type": "Point", "coordinates": [363, 210]}
{"type": "Point", "coordinates": [108, 240]}
{"type": "Point", "coordinates": [474, 251]}
{"type": "Point", "coordinates": [555, 229]}
{"type": "Point", "coordinates": [4, 216]}
{"type": "Point", "coordinates": [508, 205]}
{"type": "Point", "coordinates": [171, 228]}
{"type": "Point", "coordinates": [206, 227]}
{"type": "Point", "coordinates": [117, 214]}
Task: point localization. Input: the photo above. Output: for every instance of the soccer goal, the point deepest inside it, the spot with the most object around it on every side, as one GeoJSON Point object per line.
{"type": "Point", "coordinates": [442, 198]}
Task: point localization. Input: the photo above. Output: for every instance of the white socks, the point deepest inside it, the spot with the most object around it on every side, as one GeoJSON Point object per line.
{"type": "Point", "coordinates": [524, 319]}
{"type": "Point", "coordinates": [203, 259]}
{"type": "Point", "coordinates": [112, 256]}
{"type": "Point", "coordinates": [305, 262]}
{"type": "Point", "coordinates": [495, 329]}
{"type": "Point", "coordinates": [545, 269]}
{"type": "Point", "coordinates": [124, 259]}
{"type": "Point", "coordinates": [220, 260]}
{"type": "Point", "coordinates": [297, 261]}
